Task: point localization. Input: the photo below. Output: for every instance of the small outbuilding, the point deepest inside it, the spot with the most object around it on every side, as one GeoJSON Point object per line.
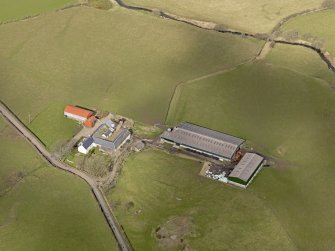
{"type": "Point", "coordinates": [138, 145]}
{"type": "Point", "coordinates": [90, 122]}
{"type": "Point", "coordinates": [245, 171]}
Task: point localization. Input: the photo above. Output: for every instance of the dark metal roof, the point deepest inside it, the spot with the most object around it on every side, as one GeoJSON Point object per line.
{"type": "Point", "coordinates": [247, 166]}
{"type": "Point", "coordinates": [204, 139]}
{"type": "Point", "coordinates": [211, 133]}
{"type": "Point", "coordinates": [88, 142]}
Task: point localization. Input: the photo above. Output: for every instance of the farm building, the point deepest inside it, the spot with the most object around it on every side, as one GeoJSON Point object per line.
{"type": "Point", "coordinates": [244, 172]}
{"type": "Point", "coordinates": [105, 137]}
{"type": "Point", "coordinates": [138, 145]}
{"type": "Point", "coordinates": [77, 113]}
{"type": "Point", "coordinates": [202, 140]}
{"type": "Point", "coordinates": [90, 122]}
{"type": "Point", "coordinates": [114, 142]}
{"type": "Point", "coordinates": [86, 146]}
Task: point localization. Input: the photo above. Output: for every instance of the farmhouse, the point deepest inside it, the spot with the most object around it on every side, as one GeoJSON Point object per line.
{"type": "Point", "coordinates": [245, 171]}
{"type": "Point", "coordinates": [86, 146]}
{"type": "Point", "coordinates": [202, 140]}
{"type": "Point", "coordinates": [106, 137]}
{"type": "Point", "coordinates": [77, 113]}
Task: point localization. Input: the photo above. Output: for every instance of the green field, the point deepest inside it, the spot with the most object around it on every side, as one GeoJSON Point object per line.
{"type": "Point", "coordinates": [247, 15]}
{"type": "Point", "coordinates": [284, 107]}
{"type": "Point", "coordinates": [42, 208]}
{"type": "Point", "coordinates": [126, 62]}
{"type": "Point", "coordinates": [214, 214]}
{"type": "Point", "coordinates": [16, 9]}
{"type": "Point", "coordinates": [319, 24]}
{"type": "Point", "coordinates": [146, 131]}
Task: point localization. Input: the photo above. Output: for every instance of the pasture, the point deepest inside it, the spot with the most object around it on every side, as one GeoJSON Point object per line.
{"type": "Point", "coordinates": [319, 24]}
{"type": "Point", "coordinates": [285, 107]}
{"type": "Point", "coordinates": [164, 204]}
{"type": "Point", "coordinates": [42, 208]}
{"type": "Point", "coordinates": [246, 15]}
{"type": "Point", "coordinates": [16, 9]}
{"type": "Point", "coordinates": [126, 62]}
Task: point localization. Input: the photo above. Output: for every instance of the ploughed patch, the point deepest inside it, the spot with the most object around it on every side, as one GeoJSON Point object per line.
{"type": "Point", "coordinates": [173, 233]}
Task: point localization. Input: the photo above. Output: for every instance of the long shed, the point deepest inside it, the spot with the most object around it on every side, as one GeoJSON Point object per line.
{"type": "Point", "coordinates": [203, 140]}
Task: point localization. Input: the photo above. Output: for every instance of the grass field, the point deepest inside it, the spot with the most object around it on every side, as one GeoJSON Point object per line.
{"type": "Point", "coordinates": [126, 62]}
{"type": "Point", "coordinates": [285, 107]}
{"type": "Point", "coordinates": [42, 208]}
{"type": "Point", "coordinates": [16, 9]}
{"type": "Point", "coordinates": [173, 190]}
{"type": "Point", "coordinates": [146, 131]}
{"type": "Point", "coordinates": [319, 24]}
{"type": "Point", "coordinates": [247, 15]}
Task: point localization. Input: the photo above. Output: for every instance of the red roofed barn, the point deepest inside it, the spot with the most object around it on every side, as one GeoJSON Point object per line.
{"type": "Point", "coordinates": [77, 113]}
{"type": "Point", "coordinates": [90, 122]}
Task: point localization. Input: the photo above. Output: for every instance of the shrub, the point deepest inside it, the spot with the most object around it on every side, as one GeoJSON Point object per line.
{"type": "Point", "coordinates": [291, 35]}
{"type": "Point", "coordinates": [100, 4]}
{"type": "Point", "coordinates": [129, 205]}
{"type": "Point", "coordinates": [157, 12]}
{"type": "Point", "coordinates": [220, 27]}
{"type": "Point", "coordinates": [262, 36]}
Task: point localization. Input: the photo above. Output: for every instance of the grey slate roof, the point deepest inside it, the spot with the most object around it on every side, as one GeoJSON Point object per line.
{"type": "Point", "coordinates": [123, 134]}
{"type": "Point", "coordinates": [247, 166]}
{"type": "Point", "coordinates": [204, 139]}
{"type": "Point", "coordinates": [111, 144]}
{"type": "Point", "coordinates": [104, 143]}
{"type": "Point", "coordinates": [88, 142]}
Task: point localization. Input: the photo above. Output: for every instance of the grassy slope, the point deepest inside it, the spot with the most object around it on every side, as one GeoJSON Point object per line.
{"type": "Point", "coordinates": [320, 24]}
{"type": "Point", "coordinates": [48, 209]}
{"type": "Point", "coordinates": [247, 15]}
{"type": "Point", "coordinates": [15, 9]}
{"type": "Point", "coordinates": [286, 113]}
{"type": "Point", "coordinates": [121, 61]}
{"type": "Point", "coordinates": [218, 211]}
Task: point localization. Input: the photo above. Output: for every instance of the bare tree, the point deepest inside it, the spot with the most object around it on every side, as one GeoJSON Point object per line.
{"type": "Point", "coordinates": [61, 149]}
{"type": "Point", "coordinates": [328, 4]}
{"type": "Point", "coordinates": [94, 164]}
{"type": "Point", "coordinates": [291, 35]}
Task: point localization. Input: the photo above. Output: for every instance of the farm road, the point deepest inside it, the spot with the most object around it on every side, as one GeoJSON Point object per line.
{"type": "Point", "coordinates": [111, 220]}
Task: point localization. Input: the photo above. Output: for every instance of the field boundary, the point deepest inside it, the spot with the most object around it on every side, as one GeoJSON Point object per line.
{"type": "Point", "coordinates": [25, 18]}
{"type": "Point", "coordinates": [177, 90]}
{"type": "Point", "coordinates": [212, 26]}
